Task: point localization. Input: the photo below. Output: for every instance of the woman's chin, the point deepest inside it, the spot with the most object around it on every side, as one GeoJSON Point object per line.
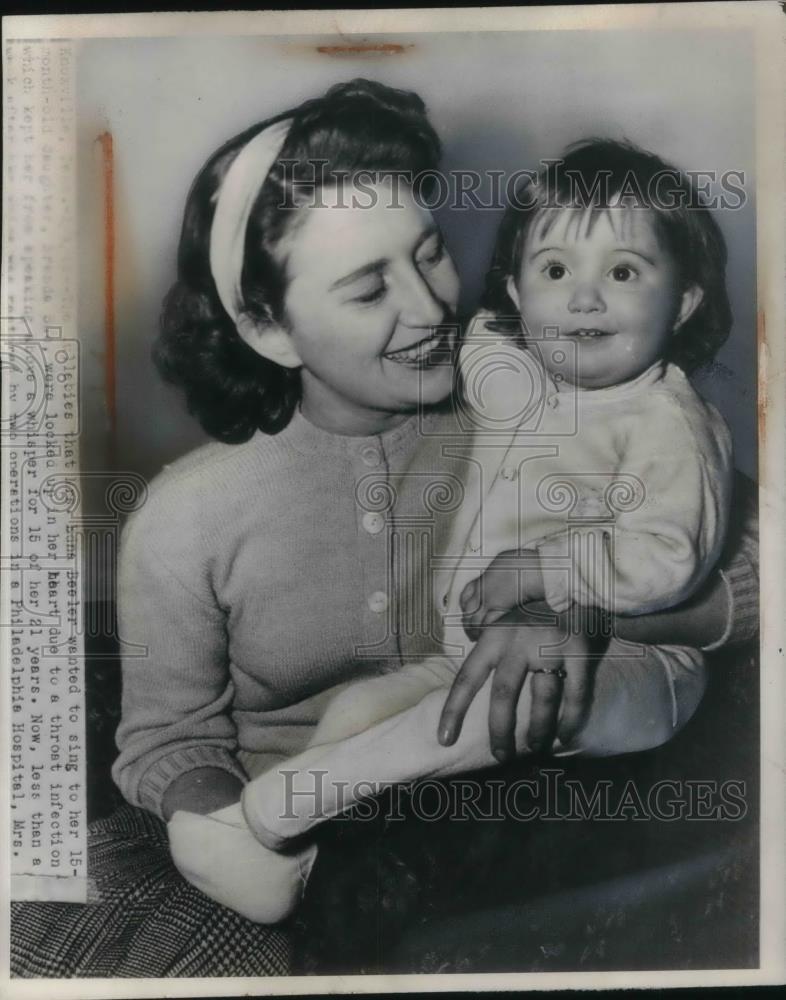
{"type": "Point", "coordinates": [434, 384]}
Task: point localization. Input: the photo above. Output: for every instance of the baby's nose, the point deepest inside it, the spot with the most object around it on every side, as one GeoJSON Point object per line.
{"type": "Point", "coordinates": [587, 298]}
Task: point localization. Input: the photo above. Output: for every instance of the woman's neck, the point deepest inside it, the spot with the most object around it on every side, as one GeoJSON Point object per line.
{"type": "Point", "coordinates": [338, 417]}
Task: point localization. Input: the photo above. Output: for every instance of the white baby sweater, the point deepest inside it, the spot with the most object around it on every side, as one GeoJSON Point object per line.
{"type": "Point", "coordinates": [623, 491]}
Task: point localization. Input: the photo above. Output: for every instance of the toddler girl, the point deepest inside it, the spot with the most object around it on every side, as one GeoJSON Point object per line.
{"type": "Point", "coordinates": [601, 480]}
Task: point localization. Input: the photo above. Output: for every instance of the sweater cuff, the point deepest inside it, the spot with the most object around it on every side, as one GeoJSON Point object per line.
{"type": "Point", "coordinates": [160, 775]}
{"type": "Point", "coordinates": [556, 576]}
{"type": "Point", "coordinates": [742, 589]}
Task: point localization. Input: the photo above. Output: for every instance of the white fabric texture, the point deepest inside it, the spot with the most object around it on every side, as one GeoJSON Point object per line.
{"type": "Point", "coordinates": [623, 491]}
{"type": "Point", "coordinates": [235, 199]}
{"type": "Point", "coordinates": [639, 702]}
{"type": "Point", "coordinates": [219, 855]}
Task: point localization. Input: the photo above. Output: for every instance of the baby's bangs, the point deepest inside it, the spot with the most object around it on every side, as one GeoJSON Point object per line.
{"type": "Point", "coordinates": [582, 218]}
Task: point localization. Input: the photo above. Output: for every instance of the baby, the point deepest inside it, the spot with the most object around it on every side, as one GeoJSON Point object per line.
{"type": "Point", "coordinates": [602, 480]}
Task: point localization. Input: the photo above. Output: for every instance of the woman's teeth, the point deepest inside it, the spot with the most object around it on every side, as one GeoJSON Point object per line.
{"type": "Point", "coordinates": [417, 352]}
{"type": "Point", "coordinates": [589, 333]}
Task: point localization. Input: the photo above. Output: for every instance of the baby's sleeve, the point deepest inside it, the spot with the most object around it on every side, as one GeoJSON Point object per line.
{"type": "Point", "coordinates": [666, 514]}
{"type": "Point", "coordinates": [177, 693]}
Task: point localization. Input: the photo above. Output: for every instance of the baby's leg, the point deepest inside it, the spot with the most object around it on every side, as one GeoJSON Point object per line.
{"type": "Point", "coordinates": [366, 702]}
{"type": "Point", "coordinates": [222, 858]}
{"type": "Point", "coordinates": [638, 703]}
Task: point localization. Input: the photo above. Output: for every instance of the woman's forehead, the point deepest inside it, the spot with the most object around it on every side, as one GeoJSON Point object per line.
{"type": "Point", "coordinates": [346, 229]}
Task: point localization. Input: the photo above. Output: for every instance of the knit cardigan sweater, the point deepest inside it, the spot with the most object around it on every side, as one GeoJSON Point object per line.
{"type": "Point", "coordinates": [259, 578]}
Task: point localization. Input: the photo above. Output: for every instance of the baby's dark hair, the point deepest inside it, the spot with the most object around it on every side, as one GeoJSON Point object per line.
{"type": "Point", "coordinates": [233, 391]}
{"type": "Point", "coordinates": [594, 174]}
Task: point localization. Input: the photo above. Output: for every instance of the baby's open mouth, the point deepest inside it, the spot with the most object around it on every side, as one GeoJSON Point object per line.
{"type": "Point", "coordinates": [433, 348]}
{"type": "Point", "coordinates": [584, 332]}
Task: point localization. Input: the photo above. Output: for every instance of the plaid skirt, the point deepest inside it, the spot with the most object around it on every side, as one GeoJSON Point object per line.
{"type": "Point", "coordinates": [147, 921]}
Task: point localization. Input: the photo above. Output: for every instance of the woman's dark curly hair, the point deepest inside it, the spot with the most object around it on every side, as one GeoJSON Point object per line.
{"type": "Point", "coordinates": [357, 126]}
{"type": "Point", "coordinates": [593, 175]}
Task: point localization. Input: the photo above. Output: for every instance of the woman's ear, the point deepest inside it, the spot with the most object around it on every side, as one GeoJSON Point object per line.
{"type": "Point", "coordinates": [513, 292]}
{"type": "Point", "coordinates": [269, 339]}
{"type": "Point", "coordinates": [689, 303]}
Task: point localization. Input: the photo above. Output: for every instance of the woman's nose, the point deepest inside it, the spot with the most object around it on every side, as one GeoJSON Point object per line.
{"type": "Point", "coordinates": [586, 297]}
{"type": "Point", "coordinates": [420, 304]}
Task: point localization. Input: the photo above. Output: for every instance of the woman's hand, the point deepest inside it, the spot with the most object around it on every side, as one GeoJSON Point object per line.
{"type": "Point", "coordinates": [518, 643]}
{"type": "Point", "coordinates": [511, 580]}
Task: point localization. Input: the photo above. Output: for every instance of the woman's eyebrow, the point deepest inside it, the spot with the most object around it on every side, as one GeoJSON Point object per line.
{"type": "Point", "coordinates": [361, 272]}
{"type": "Point", "coordinates": [379, 265]}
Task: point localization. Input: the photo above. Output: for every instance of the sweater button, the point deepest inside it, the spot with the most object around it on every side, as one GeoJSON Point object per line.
{"type": "Point", "coordinates": [370, 457]}
{"type": "Point", "coordinates": [373, 522]}
{"type": "Point", "coordinates": [378, 601]}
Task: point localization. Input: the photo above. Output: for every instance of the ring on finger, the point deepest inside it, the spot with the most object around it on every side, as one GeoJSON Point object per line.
{"type": "Point", "coordinates": [553, 671]}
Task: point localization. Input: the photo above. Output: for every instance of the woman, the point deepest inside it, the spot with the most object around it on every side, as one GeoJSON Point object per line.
{"type": "Point", "coordinates": [270, 569]}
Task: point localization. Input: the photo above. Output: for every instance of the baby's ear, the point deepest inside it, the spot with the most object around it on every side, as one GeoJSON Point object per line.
{"type": "Point", "coordinates": [269, 339]}
{"type": "Point", "coordinates": [512, 291]}
{"type": "Point", "coordinates": [690, 301]}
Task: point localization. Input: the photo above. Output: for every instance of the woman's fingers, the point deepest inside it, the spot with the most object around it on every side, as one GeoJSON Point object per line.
{"type": "Point", "coordinates": [546, 690]}
{"type": "Point", "coordinates": [505, 690]}
{"type": "Point", "coordinates": [469, 680]}
{"type": "Point", "coordinates": [576, 694]}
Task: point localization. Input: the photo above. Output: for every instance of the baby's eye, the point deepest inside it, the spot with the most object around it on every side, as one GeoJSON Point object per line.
{"type": "Point", "coordinates": [623, 272]}
{"type": "Point", "coordinates": [555, 271]}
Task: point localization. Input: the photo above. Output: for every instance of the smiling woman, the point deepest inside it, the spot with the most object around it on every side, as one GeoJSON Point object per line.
{"type": "Point", "coordinates": [310, 273]}
{"type": "Point", "coordinates": [368, 287]}
{"type": "Point", "coordinates": [301, 329]}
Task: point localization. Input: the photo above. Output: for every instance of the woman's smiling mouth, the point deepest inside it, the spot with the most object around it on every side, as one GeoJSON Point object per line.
{"type": "Point", "coordinates": [423, 351]}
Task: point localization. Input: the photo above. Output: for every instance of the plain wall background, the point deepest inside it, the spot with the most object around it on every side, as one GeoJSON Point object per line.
{"type": "Point", "coordinates": [499, 101]}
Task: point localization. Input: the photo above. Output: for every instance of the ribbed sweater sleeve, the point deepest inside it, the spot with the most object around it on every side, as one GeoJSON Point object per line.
{"type": "Point", "coordinates": [739, 568]}
{"type": "Point", "coordinates": [176, 687]}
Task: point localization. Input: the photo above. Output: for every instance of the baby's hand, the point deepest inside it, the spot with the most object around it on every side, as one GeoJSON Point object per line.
{"type": "Point", "coordinates": [511, 580]}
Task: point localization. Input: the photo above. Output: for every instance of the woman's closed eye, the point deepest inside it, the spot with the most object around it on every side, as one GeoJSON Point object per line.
{"type": "Point", "coordinates": [372, 294]}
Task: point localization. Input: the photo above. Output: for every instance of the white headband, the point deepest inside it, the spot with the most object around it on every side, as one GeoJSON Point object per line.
{"type": "Point", "coordinates": [236, 196]}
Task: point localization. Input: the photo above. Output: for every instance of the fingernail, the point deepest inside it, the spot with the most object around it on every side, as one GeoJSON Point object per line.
{"type": "Point", "coordinates": [446, 737]}
{"type": "Point", "coordinates": [501, 753]}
